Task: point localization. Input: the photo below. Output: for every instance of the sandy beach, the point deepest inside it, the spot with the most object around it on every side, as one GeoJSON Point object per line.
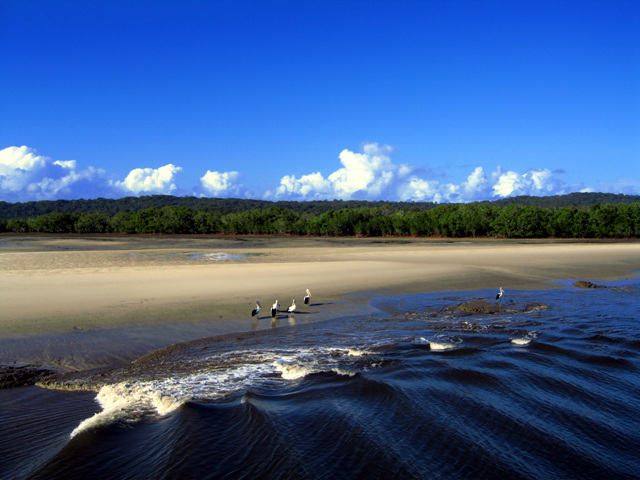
{"type": "Point", "coordinates": [54, 284]}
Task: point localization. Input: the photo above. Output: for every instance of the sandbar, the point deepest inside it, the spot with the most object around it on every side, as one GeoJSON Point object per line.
{"type": "Point", "coordinates": [53, 284]}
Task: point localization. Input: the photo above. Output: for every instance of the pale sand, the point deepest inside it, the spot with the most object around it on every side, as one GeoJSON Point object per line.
{"type": "Point", "coordinates": [56, 284]}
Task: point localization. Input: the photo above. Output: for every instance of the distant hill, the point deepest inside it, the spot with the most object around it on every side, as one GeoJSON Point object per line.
{"type": "Point", "coordinates": [110, 206]}
{"type": "Point", "coordinates": [579, 200]}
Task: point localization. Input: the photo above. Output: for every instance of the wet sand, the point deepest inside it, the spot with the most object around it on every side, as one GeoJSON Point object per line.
{"type": "Point", "coordinates": [58, 284]}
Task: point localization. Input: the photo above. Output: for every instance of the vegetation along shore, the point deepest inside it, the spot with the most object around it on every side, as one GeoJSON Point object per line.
{"type": "Point", "coordinates": [569, 216]}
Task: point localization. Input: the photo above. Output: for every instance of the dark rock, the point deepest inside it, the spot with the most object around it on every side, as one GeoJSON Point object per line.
{"type": "Point", "coordinates": [534, 307]}
{"type": "Point", "coordinates": [482, 307]}
{"type": "Point", "coordinates": [86, 381]}
{"type": "Point", "coordinates": [479, 307]}
{"type": "Point", "coordinates": [11, 376]}
{"type": "Point", "coordinates": [585, 284]}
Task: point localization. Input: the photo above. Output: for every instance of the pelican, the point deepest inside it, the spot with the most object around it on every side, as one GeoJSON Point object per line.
{"type": "Point", "coordinates": [274, 309]}
{"type": "Point", "coordinates": [256, 310]}
{"type": "Point", "coordinates": [292, 308]}
{"type": "Point", "coordinates": [500, 293]}
{"type": "Point", "coordinates": [307, 297]}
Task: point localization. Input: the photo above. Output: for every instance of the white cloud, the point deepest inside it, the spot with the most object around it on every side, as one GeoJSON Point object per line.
{"type": "Point", "coordinates": [69, 164]}
{"type": "Point", "coordinates": [367, 175]}
{"type": "Point", "coordinates": [476, 187]}
{"type": "Point", "coordinates": [26, 175]}
{"type": "Point", "coordinates": [20, 158]}
{"type": "Point", "coordinates": [18, 166]}
{"type": "Point", "coordinates": [372, 175]}
{"type": "Point", "coordinates": [150, 180]}
{"type": "Point", "coordinates": [307, 187]}
{"type": "Point", "coordinates": [221, 184]}
{"type": "Point", "coordinates": [507, 184]}
{"type": "Point", "coordinates": [422, 190]}
{"type": "Point", "coordinates": [532, 182]}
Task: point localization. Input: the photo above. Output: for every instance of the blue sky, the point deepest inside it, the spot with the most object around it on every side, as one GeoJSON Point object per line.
{"type": "Point", "coordinates": [442, 100]}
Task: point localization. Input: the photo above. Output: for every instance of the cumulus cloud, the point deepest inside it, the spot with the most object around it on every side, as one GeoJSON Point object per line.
{"type": "Point", "coordinates": [309, 187]}
{"type": "Point", "coordinates": [367, 175]}
{"type": "Point", "coordinates": [532, 182]}
{"type": "Point", "coordinates": [372, 175]}
{"type": "Point", "coordinates": [26, 175]}
{"type": "Point", "coordinates": [477, 185]}
{"type": "Point", "coordinates": [150, 180]}
{"type": "Point", "coordinates": [221, 184]}
{"type": "Point", "coordinates": [68, 164]}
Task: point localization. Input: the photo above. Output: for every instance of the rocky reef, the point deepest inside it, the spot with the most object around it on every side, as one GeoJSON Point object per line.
{"type": "Point", "coordinates": [482, 307]}
{"type": "Point", "coordinates": [586, 284]}
{"type": "Point", "coordinates": [20, 376]}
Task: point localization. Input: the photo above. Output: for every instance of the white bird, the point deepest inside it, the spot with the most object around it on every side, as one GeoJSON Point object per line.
{"type": "Point", "coordinates": [274, 309]}
{"type": "Point", "coordinates": [500, 293]}
{"type": "Point", "coordinates": [292, 308]}
{"type": "Point", "coordinates": [256, 310]}
{"type": "Point", "coordinates": [307, 297]}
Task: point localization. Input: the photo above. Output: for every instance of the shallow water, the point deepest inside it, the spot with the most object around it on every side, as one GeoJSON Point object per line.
{"type": "Point", "coordinates": [407, 391]}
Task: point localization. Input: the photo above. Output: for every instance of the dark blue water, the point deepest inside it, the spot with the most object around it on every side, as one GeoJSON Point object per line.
{"type": "Point", "coordinates": [408, 392]}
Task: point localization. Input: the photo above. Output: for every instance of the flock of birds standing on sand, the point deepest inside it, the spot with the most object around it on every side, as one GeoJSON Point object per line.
{"type": "Point", "coordinates": [275, 308]}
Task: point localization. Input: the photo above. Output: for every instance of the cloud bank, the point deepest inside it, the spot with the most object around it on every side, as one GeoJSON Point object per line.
{"type": "Point", "coordinates": [371, 174]}
{"type": "Point", "coordinates": [26, 175]}
{"type": "Point", "coordinates": [217, 184]}
{"type": "Point", "coordinates": [149, 180]}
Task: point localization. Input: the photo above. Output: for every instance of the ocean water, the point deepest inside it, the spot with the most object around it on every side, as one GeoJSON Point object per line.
{"type": "Point", "coordinates": [406, 390]}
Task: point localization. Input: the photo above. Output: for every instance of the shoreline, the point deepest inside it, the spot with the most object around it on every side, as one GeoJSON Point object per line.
{"type": "Point", "coordinates": [57, 286]}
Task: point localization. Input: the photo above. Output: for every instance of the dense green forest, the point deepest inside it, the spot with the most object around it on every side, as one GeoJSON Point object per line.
{"type": "Point", "coordinates": [111, 206]}
{"type": "Point", "coordinates": [620, 220]}
{"type": "Point", "coordinates": [580, 200]}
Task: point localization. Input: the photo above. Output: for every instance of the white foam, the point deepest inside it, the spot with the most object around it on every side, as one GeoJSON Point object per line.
{"type": "Point", "coordinates": [342, 371]}
{"type": "Point", "coordinates": [524, 341]}
{"type": "Point", "coordinates": [213, 377]}
{"type": "Point", "coordinates": [291, 371]}
{"type": "Point", "coordinates": [296, 365]}
{"type": "Point", "coordinates": [357, 353]}
{"type": "Point", "coordinates": [216, 257]}
{"type": "Point", "coordinates": [128, 401]}
{"type": "Point", "coordinates": [441, 346]}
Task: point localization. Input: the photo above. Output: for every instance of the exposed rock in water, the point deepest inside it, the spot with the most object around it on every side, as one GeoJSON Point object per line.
{"type": "Point", "coordinates": [165, 362]}
{"type": "Point", "coordinates": [86, 381]}
{"type": "Point", "coordinates": [585, 284]}
{"type": "Point", "coordinates": [11, 377]}
{"type": "Point", "coordinates": [479, 307]}
{"type": "Point", "coordinates": [482, 307]}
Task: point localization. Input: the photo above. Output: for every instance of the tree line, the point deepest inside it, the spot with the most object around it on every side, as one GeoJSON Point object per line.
{"type": "Point", "coordinates": [113, 206]}
{"type": "Point", "coordinates": [447, 220]}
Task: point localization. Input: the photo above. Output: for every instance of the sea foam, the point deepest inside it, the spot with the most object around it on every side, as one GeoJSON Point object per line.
{"type": "Point", "coordinates": [216, 257]}
{"type": "Point", "coordinates": [214, 377]}
{"type": "Point", "coordinates": [128, 401]}
{"type": "Point", "coordinates": [441, 346]}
